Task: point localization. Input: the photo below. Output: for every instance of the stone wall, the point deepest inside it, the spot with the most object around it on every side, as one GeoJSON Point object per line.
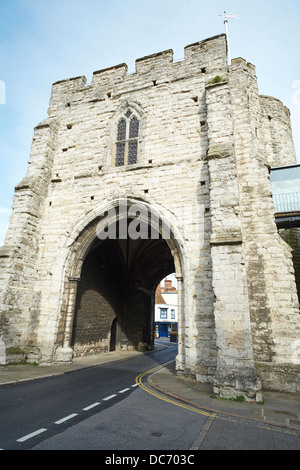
{"type": "Point", "coordinates": [97, 305]}
{"type": "Point", "coordinates": [271, 283]}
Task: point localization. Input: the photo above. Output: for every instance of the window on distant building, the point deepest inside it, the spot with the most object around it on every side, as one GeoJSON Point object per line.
{"type": "Point", "coordinates": [163, 313]}
{"type": "Point", "coordinates": [127, 144]}
{"type": "Point", "coordinates": [172, 314]}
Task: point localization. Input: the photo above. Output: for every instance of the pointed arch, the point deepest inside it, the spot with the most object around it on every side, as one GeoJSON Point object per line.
{"type": "Point", "coordinates": [83, 240]}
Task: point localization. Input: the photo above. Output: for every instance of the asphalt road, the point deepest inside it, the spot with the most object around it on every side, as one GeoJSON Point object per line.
{"type": "Point", "coordinates": [100, 408]}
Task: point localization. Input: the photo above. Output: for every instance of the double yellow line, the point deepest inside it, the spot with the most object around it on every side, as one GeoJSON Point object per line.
{"type": "Point", "coordinates": [139, 381]}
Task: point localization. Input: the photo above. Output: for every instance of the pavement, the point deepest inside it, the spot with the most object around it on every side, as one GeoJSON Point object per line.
{"type": "Point", "coordinates": [279, 409]}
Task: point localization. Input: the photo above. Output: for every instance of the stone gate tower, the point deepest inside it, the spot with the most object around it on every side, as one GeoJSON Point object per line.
{"type": "Point", "coordinates": [183, 146]}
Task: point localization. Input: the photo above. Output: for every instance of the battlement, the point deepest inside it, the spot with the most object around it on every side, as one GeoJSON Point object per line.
{"type": "Point", "coordinates": [110, 76]}
{"type": "Point", "coordinates": [274, 107]}
{"type": "Point", "coordinates": [240, 62]}
{"type": "Point", "coordinates": [154, 61]}
{"type": "Point", "coordinates": [207, 56]}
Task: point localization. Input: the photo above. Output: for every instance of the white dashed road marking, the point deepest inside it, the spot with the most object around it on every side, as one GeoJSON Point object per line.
{"type": "Point", "coordinates": [91, 406]}
{"type": "Point", "coordinates": [109, 398]}
{"type": "Point", "coordinates": [66, 418]}
{"type": "Point", "coordinates": [29, 436]}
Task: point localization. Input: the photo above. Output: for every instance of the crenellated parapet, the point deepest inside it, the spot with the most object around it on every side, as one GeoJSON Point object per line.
{"type": "Point", "coordinates": [204, 57]}
{"type": "Point", "coordinates": [277, 132]}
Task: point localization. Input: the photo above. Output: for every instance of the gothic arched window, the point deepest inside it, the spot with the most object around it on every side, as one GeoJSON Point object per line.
{"type": "Point", "coordinates": [127, 140]}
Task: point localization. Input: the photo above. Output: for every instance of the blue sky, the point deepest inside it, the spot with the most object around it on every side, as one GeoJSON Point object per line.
{"type": "Point", "coordinates": [42, 41]}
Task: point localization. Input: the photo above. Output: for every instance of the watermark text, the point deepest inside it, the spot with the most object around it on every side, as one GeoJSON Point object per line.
{"type": "Point", "coordinates": [137, 221]}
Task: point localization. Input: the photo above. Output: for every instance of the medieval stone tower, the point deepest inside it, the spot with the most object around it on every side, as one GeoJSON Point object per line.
{"type": "Point", "coordinates": [183, 146]}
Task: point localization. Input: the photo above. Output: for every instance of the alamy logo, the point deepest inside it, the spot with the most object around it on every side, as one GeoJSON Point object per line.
{"type": "Point", "coordinates": [2, 92]}
{"type": "Point", "coordinates": [138, 221]}
{"type": "Point", "coordinates": [135, 221]}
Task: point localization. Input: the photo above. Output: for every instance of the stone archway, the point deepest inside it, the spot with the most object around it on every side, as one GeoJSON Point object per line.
{"type": "Point", "coordinates": [116, 278]}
